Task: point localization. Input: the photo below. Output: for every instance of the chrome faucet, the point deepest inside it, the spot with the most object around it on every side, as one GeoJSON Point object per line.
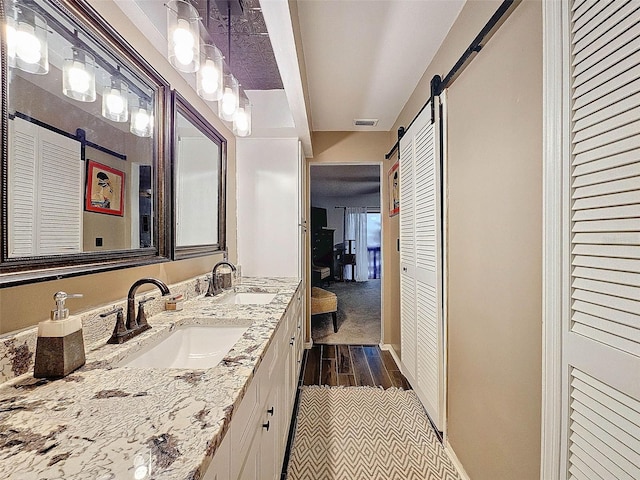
{"type": "Point", "coordinates": [134, 326]}
{"type": "Point", "coordinates": [214, 287]}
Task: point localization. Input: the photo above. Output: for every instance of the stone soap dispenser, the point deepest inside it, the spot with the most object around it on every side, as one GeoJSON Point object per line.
{"type": "Point", "coordinates": [60, 346]}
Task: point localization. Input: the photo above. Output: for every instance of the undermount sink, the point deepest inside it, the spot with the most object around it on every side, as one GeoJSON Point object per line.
{"type": "Point", "coordinates": [193, 346]}
{"type": "Point", "coordinates": [248, 298]}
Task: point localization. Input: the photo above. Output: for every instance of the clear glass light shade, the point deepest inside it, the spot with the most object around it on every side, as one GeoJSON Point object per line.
{"type": "Point", "coordinates": [142, 120]}
{"type": "Point", "coordinates": [79, 75]}
{"type": "Point", "coordinates": [242, 118]}
{"type": "Point", "coordinates": [210, 77]}
{"type": "Point", "coordinates": [183, 36]}
{"type": "Point", "coordinates": [115, 101]}
{"type": "Point", "coordinates": [230, 97]}
{"type": "Point", "coordinates": [26, 35]}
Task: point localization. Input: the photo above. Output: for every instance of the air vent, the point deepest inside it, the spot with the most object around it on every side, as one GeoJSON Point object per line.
{"type": "Point", "coordinates": [365, 122]}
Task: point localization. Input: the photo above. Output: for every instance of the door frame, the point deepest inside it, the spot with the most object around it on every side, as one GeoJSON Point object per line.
{"type": "Point", "coordinates": [307, 259]}
{"type": "Point", "coordinates": [555, 223]}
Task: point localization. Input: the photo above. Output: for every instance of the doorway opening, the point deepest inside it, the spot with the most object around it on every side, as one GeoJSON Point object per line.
{"type": "Point", "coordinates": [346, 246]}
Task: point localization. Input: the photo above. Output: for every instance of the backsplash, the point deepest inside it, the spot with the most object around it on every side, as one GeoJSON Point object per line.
{"type": "Point", "coordinates": [17, 349]}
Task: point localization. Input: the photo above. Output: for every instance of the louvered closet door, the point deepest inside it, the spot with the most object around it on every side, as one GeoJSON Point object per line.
{"type": "Point", "coordinates": [421, 278]}
{"type": "Point", "coordinates": [407, 260]}
{"type": "Point", "coordinates": [45, 192]}
{"type": "Point", "coordinates": [601, 339]}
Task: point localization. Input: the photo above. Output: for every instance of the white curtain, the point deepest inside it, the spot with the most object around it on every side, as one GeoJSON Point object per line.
{"type": "Point", "coordinates": [356, 229]}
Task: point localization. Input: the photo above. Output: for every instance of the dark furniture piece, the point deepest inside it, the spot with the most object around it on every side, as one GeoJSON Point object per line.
{"type": "Point", "coordinates": [322, 254]}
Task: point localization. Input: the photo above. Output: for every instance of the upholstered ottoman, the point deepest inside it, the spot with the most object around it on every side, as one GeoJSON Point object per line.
{"type": "Point", "coordinates": [323, 301]}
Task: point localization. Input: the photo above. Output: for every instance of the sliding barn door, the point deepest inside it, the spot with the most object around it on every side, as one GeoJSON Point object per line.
{"type": "Point", "coordinates": [601, 328]}
{"type": "Point", "coordinates": [420, 264]}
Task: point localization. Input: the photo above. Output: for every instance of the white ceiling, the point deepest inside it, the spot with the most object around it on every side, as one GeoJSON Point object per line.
{"type": "Point", "coordinates": [364, 58]}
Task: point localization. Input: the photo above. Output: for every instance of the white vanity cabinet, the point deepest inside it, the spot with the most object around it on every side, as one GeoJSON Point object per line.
{"type": "Point", "coordinates": [254, 445]}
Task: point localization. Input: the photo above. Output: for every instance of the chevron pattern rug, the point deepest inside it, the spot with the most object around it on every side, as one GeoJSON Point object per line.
{"type": "Point", "coordinates": [365, 433]}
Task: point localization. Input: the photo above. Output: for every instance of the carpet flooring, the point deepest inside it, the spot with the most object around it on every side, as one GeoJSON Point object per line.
{"type": "Point", "coordinates": [358, 315]}
{"type": "Point", "coordinates": [365, 433]}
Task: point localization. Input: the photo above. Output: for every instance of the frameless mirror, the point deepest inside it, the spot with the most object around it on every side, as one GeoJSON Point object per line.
{"type": "Point", "coordinates": [199, 161]}
{"type": "Point", "coordinates": [83, 117]}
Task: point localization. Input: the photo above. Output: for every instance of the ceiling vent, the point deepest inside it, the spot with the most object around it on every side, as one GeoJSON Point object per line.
{"type": "Point", "coordinates": [365, 122]}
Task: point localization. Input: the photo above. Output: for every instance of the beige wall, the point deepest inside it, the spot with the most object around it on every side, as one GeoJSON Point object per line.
{"type": "Point", "coordinates": [26, 305]}
{"type": "Point", "coordinates": [494, 240]}
{"type": "Point", "coordinates": [368, 147]}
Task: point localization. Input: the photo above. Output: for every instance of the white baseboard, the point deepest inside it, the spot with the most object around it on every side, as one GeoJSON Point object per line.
{"type": "Point", "coordinates": [389, 348]}
{"type": "Point", "coordinates": [455, 461]}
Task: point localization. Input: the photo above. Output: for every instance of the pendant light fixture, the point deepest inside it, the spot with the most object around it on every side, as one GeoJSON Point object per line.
{"type": "Point", "coordinates": [142, 119]}
{"type": "Point", "coordinates": [115, 101]}
{"type": "Point", "coordinates": [79, 75]}
{"type": "Point", "coordinates": [229, 102]}
{"type": "Point", "coordinates": [242, 118]}
{"type": "Point", "coordinates": [183, 36]}
{"type": "Point", "coordinates": [26, 34]}
{"type": "Point", "coordinates": [210, 77]}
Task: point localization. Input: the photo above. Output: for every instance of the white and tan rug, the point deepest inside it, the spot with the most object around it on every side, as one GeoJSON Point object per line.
{"type": "Point", "coordinates": [358, 433]}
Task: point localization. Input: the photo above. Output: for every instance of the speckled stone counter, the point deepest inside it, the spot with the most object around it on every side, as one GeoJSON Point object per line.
{"type": "Point", "coordinates": [103, 421]}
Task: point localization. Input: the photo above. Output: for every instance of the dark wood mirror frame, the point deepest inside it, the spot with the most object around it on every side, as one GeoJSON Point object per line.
{"type": "Point", "coordinates": [181, 106]}
{"type": "Point", "coordinates": [18, 271]}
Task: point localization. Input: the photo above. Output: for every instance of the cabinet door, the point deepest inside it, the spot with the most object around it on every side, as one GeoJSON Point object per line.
{"type": "Point", "coordinates": [220, 466]}
{"type": "Point", "coordinates": [252, 468]}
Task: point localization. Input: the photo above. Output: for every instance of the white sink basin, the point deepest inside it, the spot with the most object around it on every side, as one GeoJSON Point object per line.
{"type": "Point", "coordinates": [248, 298]}
{"type": "Point", "coordinates": [193, 346]}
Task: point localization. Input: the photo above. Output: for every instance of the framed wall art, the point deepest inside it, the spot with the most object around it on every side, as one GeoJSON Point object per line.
{"type": "Point", "coordinates": [105, 189]}
{"type": "Point", "coordinates": [393, 177]}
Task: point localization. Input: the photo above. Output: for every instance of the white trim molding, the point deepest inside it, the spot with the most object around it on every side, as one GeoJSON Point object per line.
{"type": "Point", "coordinates": [456, 462]}
{"type": "Point", "coordinates": [552, 305]}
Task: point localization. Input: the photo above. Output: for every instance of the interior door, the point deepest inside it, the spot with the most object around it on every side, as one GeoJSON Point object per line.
{"type": "Point", "coordinates": [601, 325]}
{"type": "Point", "coordinates": [421, 264]}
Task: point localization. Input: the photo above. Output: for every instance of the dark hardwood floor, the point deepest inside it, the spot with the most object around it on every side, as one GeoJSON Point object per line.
{"type": "Point", "coordinates": [351, 365]}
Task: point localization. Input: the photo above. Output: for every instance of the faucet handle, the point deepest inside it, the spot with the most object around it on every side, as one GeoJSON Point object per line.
{"type": "Point", "coordinates": [141, 318]}
{"type": "Point", "coordinates": [119, 330]}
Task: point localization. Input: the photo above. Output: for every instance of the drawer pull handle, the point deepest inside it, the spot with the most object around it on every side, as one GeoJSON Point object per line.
{"type": "Point", "coordinates": [270, 411]}
{"type": "Point", "coordinates": [293, 339]}
{"type": "Point", "coordinates": [266, 425]}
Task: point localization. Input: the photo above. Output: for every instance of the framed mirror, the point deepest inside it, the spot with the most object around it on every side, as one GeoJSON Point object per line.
{"type": "Point", "coordinates": [199, 183]}
{"type": "Point", "coordinates": [83, 142]}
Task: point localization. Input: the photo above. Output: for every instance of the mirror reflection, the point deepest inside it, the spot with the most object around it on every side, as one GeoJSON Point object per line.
{"type": "Point", "coordinates": [81, 138]}
{"type": "Point", "coordinates": [198, 183]}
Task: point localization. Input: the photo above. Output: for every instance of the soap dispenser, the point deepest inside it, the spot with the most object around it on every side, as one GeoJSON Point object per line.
{"type": "Point", "coordinates": [60, 345]}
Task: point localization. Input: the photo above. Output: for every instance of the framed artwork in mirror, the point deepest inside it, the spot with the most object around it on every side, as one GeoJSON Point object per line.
{"type": "Point", "coordinates": [105, 189]}
{"type": "Point", "coordinates": [85, 122]}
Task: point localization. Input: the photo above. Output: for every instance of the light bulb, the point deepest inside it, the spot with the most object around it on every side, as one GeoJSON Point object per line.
{"type": "Point", "coordinates": [79, 78]}
{"type": "Point", "coordinates": [11, 41]}
{"type": "Point", "coordinates": [141, 121]}
{"type": "Point", "coordinates": [242, 120]}
{"type": "Point", "coordinates": [183, 42]}
{"type": "Point", "coordinates": [229, 102]}
{"type": "Point", "coordinates": [115, 102]}
{"type": "Point", "coordinates": [27, 46]}
{"type": "Point", "coordinates": [209, 77]}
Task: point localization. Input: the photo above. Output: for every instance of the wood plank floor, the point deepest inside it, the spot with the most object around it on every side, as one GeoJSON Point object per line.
{"type": "Point", "coordinates": [351, 365]}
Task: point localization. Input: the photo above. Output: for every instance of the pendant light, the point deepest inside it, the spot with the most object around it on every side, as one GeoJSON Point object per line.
{"type": "Point", "coordinates": [142, 119]}
{"type": "Point", "coordinates": [26, 34]}
{"type": "Point", "coordinates": [115, 101]}
{"type": "Point", "coordinates": [210, 77]}
{"type": "Point", "coordinates": [79, 75]}
{"type": "Point", "coordinates": [183, 36]}
{"type": "Point", "coordinates": [242, 118]}
{"type": "Point", "coordinates": [228, 104]}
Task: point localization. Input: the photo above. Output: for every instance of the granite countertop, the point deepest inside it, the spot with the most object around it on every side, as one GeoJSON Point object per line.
{"type": "Point", "coordinates": [102, 421]}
